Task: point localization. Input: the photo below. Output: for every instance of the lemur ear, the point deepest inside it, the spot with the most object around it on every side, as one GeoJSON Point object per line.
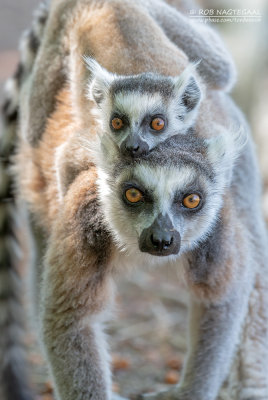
{"type": "Point", "coordinates": [100, 81]}
{"type": "Point", "coordinates": [224, 149]}
{"type": "Point", "coordinates": [188, 91]}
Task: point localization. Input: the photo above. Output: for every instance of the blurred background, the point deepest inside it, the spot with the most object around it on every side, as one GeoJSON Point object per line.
{"type": "Point", "coordinates": [148, 334]}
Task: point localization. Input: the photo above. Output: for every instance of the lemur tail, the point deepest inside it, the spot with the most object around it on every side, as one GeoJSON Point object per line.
{"type": "Point", "coordinates": [13, 364]}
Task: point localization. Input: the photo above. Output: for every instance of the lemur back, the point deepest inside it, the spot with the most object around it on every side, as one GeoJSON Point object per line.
{"type": "Point", "coordinates": [68, 179]}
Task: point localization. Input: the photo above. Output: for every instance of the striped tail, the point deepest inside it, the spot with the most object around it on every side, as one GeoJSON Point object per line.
{"type": "Point", "coordinates": [13, 362]}
{"type": "Point", "coordinates": [13, 380]}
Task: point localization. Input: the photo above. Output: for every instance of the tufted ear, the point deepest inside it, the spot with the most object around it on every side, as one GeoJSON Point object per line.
{"type": "Point", "coordinates": [188, 92]}
{"type": "Point", "coordinates": [100, 81]}
{"type": "Point", "coordinates": [225, 148]}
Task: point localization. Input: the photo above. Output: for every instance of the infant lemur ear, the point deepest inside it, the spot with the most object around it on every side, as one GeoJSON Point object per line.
{"type": "Point", "coordinates": [189, 92]}
{"type": "Point", "coordinates": [100, 81]}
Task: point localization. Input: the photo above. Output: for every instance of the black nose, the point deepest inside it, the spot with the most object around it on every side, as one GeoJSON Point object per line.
{"type": "Point", "coordinates": [160, 239]}
{"type": "Point", "coordinates": [161, 243]}
{"type": "Point", "coordinates": [134, 151]}
{"type": "Point", "coordinates": [134, 147]}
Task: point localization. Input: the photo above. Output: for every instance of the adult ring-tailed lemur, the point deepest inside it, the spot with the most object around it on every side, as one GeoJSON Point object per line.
{"type": "Point", "coordinates": [121, 146]}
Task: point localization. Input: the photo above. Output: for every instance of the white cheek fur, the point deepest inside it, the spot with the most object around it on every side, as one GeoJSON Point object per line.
{"type": "Point", "coordinates": [126, 228]}
{"type": "Point", "coordinates": [135, 105]}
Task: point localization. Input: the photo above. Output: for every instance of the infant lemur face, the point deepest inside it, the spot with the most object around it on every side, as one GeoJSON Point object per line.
{"type": "Point", "coordinates": [141, 111]}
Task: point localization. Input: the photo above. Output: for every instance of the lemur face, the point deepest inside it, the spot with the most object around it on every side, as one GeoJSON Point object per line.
{"type": "Point", "coordinates": [141, 111]}
{"type": "Point", "coordinates": [165, 202]}
{"type": "Point", "coordinates": [165, 210]}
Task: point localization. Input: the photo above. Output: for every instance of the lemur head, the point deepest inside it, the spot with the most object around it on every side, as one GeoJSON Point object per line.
{"type": "Point", "coordinates": [141, 111]}
{"type": "Point", "coordinates": [167, 201]}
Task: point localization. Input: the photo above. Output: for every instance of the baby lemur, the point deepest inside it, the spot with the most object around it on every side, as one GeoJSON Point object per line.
{"type": "Point", "coordinates": [93, 208]}
{"type": "Point", "coordinates": [45, 40]}
{"type": "Point", "coordinates": [143, 110]}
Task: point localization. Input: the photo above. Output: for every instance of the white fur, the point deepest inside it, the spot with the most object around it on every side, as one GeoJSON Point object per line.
{"type": "Point", "coordinates": [163, 183]}
{"type": "Point", "coordinates": [224, 149]}
{"type": "Point", "coordinates": [136, 105]}
{"type": "Point", "coordinates": [100, 79]}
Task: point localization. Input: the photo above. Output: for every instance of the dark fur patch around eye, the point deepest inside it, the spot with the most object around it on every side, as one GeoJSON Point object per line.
{"type": "Point", "coordinates": [122, 117]}
{"type": "Point", "coordinates": [147, 196]}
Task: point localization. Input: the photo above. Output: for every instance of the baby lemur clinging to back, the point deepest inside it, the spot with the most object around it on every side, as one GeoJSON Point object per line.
{"type": "Point", "coordinates": [143, 110]}
{"type": "Point", "coordinates": [198, 42]}
{"type": "Point", "coordinates": [184, 202]}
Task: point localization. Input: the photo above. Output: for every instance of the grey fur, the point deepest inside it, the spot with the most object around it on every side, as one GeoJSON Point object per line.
{"type": "Point", "coordinates": [84, 249]}
{"type": "Point", "coordinates": [216, 67]}
{"type": "Point", "coordinates": [187, 149]}
{"type": "Point", "coordinates": [144, 83]}
{"type": "Point", "coordinates": [84, 374]}
{"type": "Point", "coordinates": [13, 366]}
{"type": "Point", "coordinates": [137, 100]}
{"type": "Point", "coordinates": [217, 326]}
{"type": "Point", "coordinates": [29, 45]}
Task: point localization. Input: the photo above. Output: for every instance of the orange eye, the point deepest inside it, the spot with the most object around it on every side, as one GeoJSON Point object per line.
{"type": "Point", "coordinates": [133, 195]}
{"type": "Point", "coordinates": [157, 124]}
{"type": "Point", "coordinates": [117, 123]}
{"type": "Point", "coordinates": [191, 201]}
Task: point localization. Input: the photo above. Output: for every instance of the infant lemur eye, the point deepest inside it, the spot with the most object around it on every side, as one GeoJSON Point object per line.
{"type": "Point", "coordinates": [157, 124]}
{"type": "Point", "coordinates": [117, 123]}
{"type": "Point", "coordinates": [133, 195]}
{"type": "Point", "coordinates": [191, 200]}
